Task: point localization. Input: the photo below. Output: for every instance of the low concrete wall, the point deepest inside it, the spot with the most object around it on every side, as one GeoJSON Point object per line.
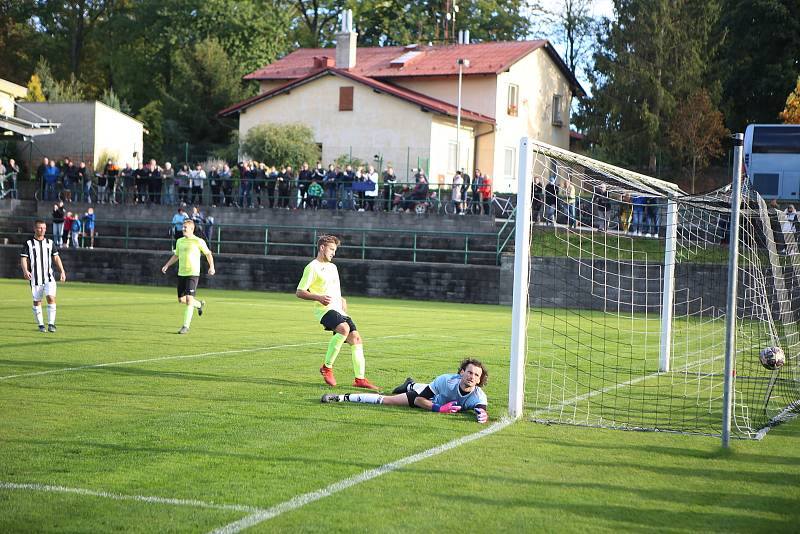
{"type": "Point", "coordinates": [390, 279]}
{"type": "Point", "coordinates": [555, 282]}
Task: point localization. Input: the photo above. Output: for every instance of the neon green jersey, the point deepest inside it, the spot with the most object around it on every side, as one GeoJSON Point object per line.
{"type": "Point", "coordinates": [188, 250]}
{"type": "Point", "coordinates": [322, 278]}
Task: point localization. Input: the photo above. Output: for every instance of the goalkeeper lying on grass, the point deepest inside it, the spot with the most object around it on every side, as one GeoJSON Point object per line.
{"type": "Point", "coordinates": [448, 393]}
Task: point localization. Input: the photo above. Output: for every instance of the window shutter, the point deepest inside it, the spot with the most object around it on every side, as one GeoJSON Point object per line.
{"type": "Point", "coordinates": [345, 99]}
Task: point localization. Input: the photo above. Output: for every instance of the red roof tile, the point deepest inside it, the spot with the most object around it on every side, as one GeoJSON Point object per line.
{"type": "Point", "coordinates": [431, 104]}
{"type": "Point", "coordinates": [374, 62]}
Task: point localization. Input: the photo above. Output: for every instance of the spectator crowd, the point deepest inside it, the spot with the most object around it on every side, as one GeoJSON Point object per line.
{"type": "Point", "coordinates": [556, 201]}
{"type": "Point", "coordinates": [253, 184]}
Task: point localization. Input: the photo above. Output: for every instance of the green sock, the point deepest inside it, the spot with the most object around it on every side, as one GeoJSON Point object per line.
{"type": "Point", "coordinates": [359, 365]}
{"type": "Point", "coordinates": [187, 316]}
{"type": "Point", "coordinates": [334, 346]}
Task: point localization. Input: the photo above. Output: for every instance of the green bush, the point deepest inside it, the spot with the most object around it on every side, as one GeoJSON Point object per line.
{"type": "Point", "coordinates": [281, 144]}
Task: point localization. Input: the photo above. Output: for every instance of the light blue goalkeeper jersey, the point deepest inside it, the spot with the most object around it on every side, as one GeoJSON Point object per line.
{"type": "Point", "coordinates": [446, 389]}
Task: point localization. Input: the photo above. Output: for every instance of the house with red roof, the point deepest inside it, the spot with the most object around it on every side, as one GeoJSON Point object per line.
{"type": "Point", "coordinates": [399, 105]}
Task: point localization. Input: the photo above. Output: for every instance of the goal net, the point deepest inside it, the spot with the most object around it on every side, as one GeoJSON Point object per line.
{"type": "Point", "coordinates": [625, 317]}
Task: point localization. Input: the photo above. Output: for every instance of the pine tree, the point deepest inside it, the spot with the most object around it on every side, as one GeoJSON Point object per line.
{"type": "Point", "coordinates": [652, 55]}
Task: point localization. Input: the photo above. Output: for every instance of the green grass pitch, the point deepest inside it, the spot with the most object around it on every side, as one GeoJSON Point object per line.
{"type": "Point", "coordinates": [116, 404]}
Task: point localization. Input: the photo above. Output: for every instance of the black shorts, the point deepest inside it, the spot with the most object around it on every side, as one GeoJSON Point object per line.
{"type": "Point", "coordinates": [332, 319]}
{"type": "Point", "coordinates": [187, 285]}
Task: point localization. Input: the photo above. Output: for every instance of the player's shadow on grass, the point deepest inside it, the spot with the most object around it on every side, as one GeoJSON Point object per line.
{"type": "Point", "coordinates": [53, 340]}
{"type": "Point", "coordinates": [195, 376]}
{"type": "Point", "coordinates": [53, 446]}
{"type": "Point", "coordinates": [685, 452]}
{"type": "Point", "coordinates": [638, 517]}
{"type": "Point", "coordinates": [735, 501]}
{"type": "Point", "coordinates": [752, 477]}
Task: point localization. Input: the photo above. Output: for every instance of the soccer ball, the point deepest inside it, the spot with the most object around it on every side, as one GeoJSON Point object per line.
{"type": "Point", "coordinates": [772, 358]}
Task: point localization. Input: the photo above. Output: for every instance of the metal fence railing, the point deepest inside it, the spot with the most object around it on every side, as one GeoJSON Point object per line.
{"type": "Point", "coordinates": [288, 240]}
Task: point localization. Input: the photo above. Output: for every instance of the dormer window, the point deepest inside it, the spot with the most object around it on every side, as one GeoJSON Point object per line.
{"type": "Point", "coordinates": [513, 99]}
{"type": "Point", "coordinates": [557, 119]}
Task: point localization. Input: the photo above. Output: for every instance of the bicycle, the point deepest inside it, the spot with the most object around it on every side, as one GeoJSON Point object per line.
{"type": "Point", "coordinates": [503, 207]}
{"type": "Point", "coordinates": [11, 190]}
{"type": "Point", "coordinates": [471, 207]}
{"type": "Point", "coordinates": [432, 204]}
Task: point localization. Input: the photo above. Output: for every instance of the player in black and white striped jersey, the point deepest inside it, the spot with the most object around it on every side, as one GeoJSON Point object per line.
{"type": "Point", "coordinates": [37, 258]}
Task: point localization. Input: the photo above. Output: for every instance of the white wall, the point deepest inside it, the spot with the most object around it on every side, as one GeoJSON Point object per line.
{"type": "Point", "coordinates": [443, 137]}
{"type": "Point", "coordinates": [8, 92]}
{"type": "Point", "coordinates": [538, 79]}
{"type": "Point", "coordinates": [116, 134]}
{"type": "Point", "coordinates": [477, 92]}
{"type": "Point", "coordinates": [379, 124]}
{"type": "Point", "coordinates": [268, 85]}
{"type": "Point", "coordinates": [87, 129]}
{"type": "Point", "coordinates": [6, 104]}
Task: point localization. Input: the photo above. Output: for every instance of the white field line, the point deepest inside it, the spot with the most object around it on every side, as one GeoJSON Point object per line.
{"type": "Point", "coordinates": [631, 382]}
{"type": "Point", "coordinates": [307, 498]}
{"type": "Point", "coordinates": [119, 497]}
{"type": "Point", "coordinates": [179, 357]}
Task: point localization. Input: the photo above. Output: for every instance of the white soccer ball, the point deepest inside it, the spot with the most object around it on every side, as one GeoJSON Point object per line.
{"type": "Point", "coordinates": [772, 358]}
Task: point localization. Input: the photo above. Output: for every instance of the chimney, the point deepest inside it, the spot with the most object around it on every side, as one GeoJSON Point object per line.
{"type": "Point", "coordinates": [346, 42]}
{"type": "Point", "coordinates": [322, 62]}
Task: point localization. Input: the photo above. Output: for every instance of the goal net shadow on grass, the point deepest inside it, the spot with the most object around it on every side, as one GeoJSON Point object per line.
{"type": "Point", "coordinates": [606, 349]}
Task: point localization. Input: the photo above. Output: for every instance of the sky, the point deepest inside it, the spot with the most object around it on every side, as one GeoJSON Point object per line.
{"type": "Point", "coordinates": [600, 8]}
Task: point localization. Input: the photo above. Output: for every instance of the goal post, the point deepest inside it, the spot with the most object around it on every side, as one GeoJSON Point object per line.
{"type": "Point", "coordinates": [621, 316]}
{"type": "Point", "coordinates": [519, 310]}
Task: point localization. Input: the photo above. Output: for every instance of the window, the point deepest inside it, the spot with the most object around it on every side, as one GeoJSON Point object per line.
{"type": "Point", "coordinates": [766, 183]}
{"type": "Point", "coordinates": [557, 120]}
{"type": "Point", "coordinates": [513, 99]}
{"type": "Point", "coordinates": [345, 99]}
{"type": "Point", "coordinates": [509, 161]}
{"type": "Point", "coordinates": [451, 157]}
{"type": "Point", "coordinates": [782, 140]}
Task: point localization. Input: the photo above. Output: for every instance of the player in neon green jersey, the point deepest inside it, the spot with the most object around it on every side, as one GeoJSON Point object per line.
{"type": "Point", "coordinates": [320, 283]}
{"type": "Point", "coordinates": [187, 253]}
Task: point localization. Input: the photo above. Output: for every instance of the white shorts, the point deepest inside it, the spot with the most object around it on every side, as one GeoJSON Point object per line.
{"type": "Point", "coordinates": [48, 289]}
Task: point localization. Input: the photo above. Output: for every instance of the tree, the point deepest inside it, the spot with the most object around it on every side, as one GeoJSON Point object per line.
{"type": "Point", "coordinates": [571, 25]}
{"type": "Point", "coordinates": [652, 54]}
{"type": "Point", "coordinates": [112, 100]}
{"type": "Point", "coordinates": [206, 81]}
{"type": "Point", "coordinates": [55, 90]}
{"type": "Point", "coordinates": [152, 118]}
{"type": "Point", "coordinates": [757, 60]}
{"type": "Point", "coordinates": [20, 44]}
{"type": "Point", "coordinates": [791, 113]}
{"type": "Point", "coordinates": [281, 144]}
{"type": "Point", "coordinates": [71, 23]}
{"type": "Point", "coordinates": [395, 22]}
{"type": "Point", "coordinates": [35, 93]}
{"type": "Point", "coordinates": [696, 132]}
{"type": "Point", "coordinates": [316, 21]}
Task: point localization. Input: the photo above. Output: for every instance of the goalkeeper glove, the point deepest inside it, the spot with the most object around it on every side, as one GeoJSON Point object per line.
{"type": "Point", "coordinates": [450, 407]}
{"type": "Point", "coordinates": [481, 415]}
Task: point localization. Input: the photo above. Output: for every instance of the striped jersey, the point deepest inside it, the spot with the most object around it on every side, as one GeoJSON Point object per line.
{"type": "Point", "coordinates": [40, 259]}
